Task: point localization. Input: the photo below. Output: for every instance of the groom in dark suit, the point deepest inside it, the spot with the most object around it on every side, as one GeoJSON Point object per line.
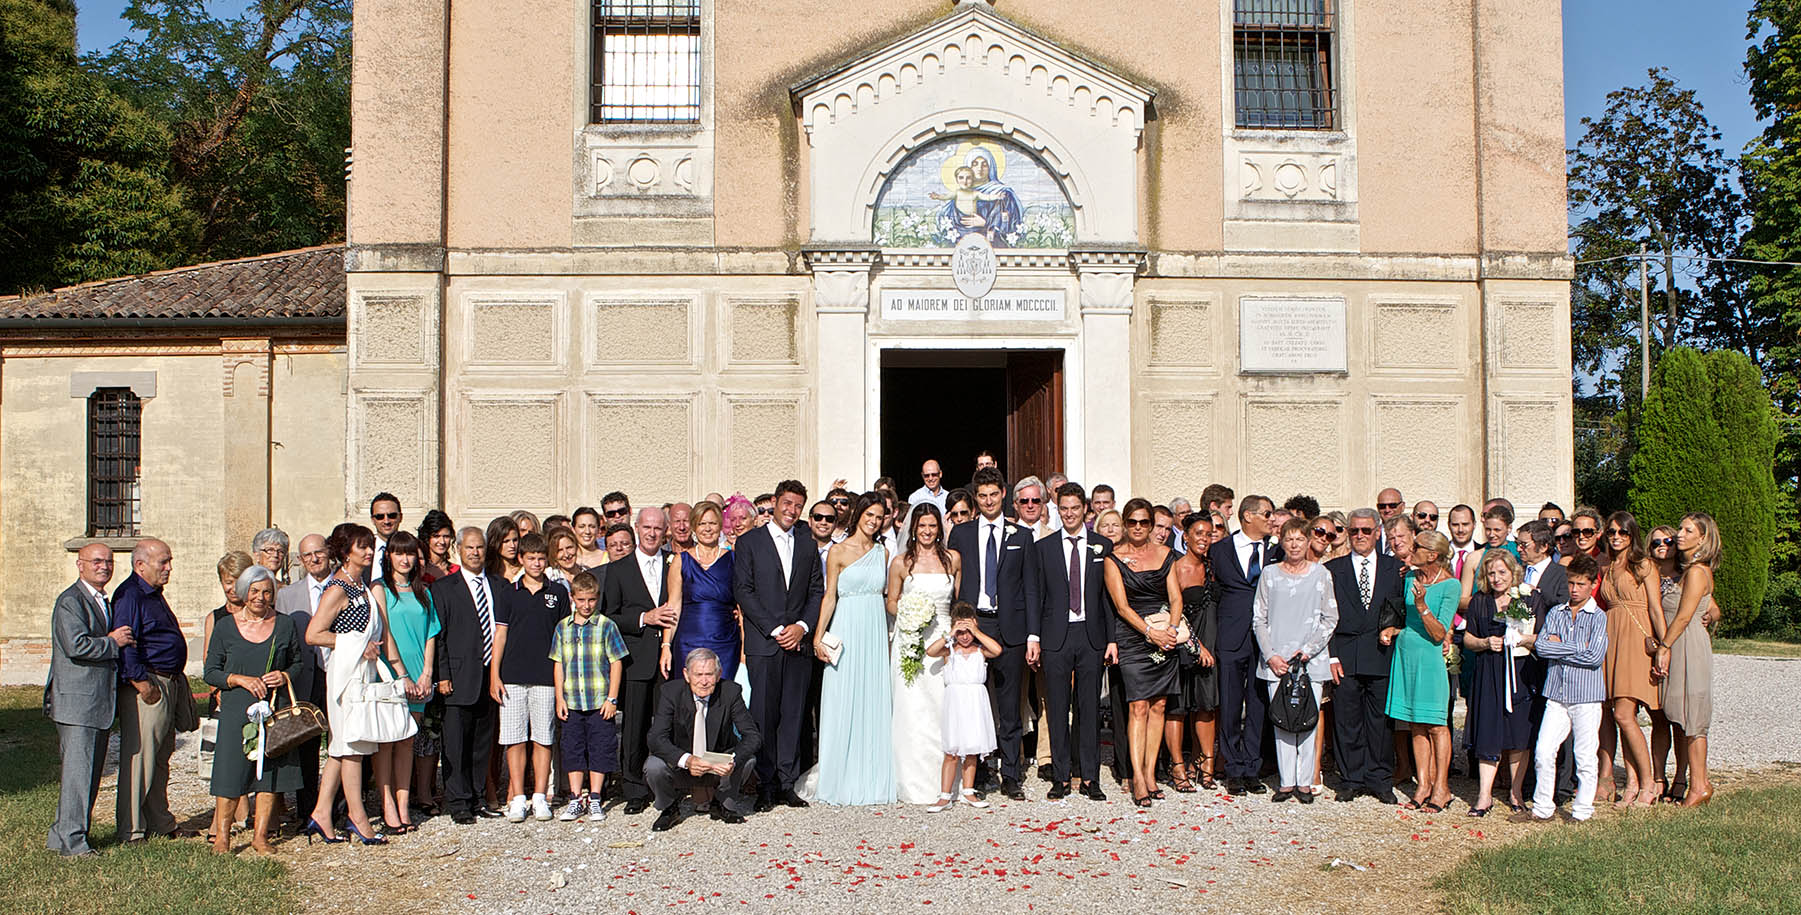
{"type": "Point", "coordinates": [634, 599]}
{"type": "Point", "coordinates": [1068, 620]}
{"type": "Point", "coordinates": [995, 552]}
{"type": "Point", "coordinates": [1363, 582]}
{"type": "Point", "coordinates": [778, 579]}
{"type": "Point", "coordinates": [1238, 561]}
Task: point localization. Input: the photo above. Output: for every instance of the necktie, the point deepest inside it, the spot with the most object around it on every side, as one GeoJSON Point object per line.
{"type": "Point", "coordinates": [1255, 571]}
{"type": "Point", "coordinates": [1531, 573]}
{"type": "Point", "coordinates": [700, 726]}
{"type": "Point", "coordinates": [1461, 553]}
{"type": "Point", "coordinates": [1363, 581]}
{"type": "Point", "coordinates": [485, 613]}
{"type": "Point", "coordinates": [1075, 577]}
{"type": "Point", "coordinates": [991, 560]}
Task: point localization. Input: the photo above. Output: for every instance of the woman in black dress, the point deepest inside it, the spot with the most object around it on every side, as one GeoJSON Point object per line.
{"type": "Point", "coordinates": [1493, 729]}
{"type": "Point", "coordinates": [1198, 698]}
{"type": "Point", "coordinates": [1142, 589]}
{"type": "Point", "coordinates": [253, 653]}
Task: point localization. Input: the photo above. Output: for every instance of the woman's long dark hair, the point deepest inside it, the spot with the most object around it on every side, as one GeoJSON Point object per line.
{"type": "Point", "coordinates": [863, 504]}
{"type": "Point", "coordinates": [401, 542]}
{"type": "Point", "coordinates": [1635, 553]}
{"type": "Point", "coordinates": [434, 522]}
{"type": "Point", "coordinates": [498, 529]}
{"type": "Point", "coordinates": [922, 510]}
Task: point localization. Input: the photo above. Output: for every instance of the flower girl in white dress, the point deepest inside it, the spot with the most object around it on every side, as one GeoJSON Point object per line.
{"type": "Point", "coordinates": [968, 721]}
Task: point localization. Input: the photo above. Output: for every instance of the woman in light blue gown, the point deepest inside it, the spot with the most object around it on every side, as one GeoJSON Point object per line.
{"type": "Point", "coordinates": [856, 701]}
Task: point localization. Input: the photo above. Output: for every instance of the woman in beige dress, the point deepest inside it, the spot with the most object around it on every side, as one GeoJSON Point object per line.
{"type": "Point", "coordinates": [1685, 654]}
{"type": "Point", "coordinates": [1629, 589]}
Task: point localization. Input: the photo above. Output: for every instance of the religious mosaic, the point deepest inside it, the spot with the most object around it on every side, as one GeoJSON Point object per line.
{"type": "Point", "coordinates": [962, 186]}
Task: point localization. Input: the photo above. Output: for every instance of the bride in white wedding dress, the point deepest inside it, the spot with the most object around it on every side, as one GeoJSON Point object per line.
{"type": "Point", "coordinates": [926, 573]}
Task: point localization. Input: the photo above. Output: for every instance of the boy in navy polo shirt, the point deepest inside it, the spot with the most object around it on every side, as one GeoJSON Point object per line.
{"type": "Point", "coordinates": [525, 620]}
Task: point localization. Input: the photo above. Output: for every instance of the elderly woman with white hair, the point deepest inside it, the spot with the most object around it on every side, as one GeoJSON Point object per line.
{"type": "Point", "coordinates": [254, 654]}
{"type": "Point", "coordinates": [270, 550]}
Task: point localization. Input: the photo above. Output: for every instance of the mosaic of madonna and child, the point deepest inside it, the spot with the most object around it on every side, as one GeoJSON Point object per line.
{"type": "Point", "coordinates": [958, 186]}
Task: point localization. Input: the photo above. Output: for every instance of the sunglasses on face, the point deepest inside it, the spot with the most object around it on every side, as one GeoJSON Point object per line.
{"type": "Point", "coordinates": [824, 518]}
{"type": "Point", "coordinates": [1029, 501]}
{"type": "Point", "coordinates": [1587, 531]}
{"type": "Point", "coordinates": [1566, 536]}
{"type": "Point", "coordinates": [385, 516]}
{"type": "Point", "coordinates": [618, 512]}
{"type": "Point", "coordinates": [1365, 531]}
{"type": "Point", "coordinates": [1329, 536]}
{"type": "Point", "coordinates": [1385, 506]}
{"type": "Point", "coordinates": [839, 502]}
{"type": "Point", "coordinates": [1615, 532]}
{"type": "Point", "coordinates": [1425, 516]}
{"type": "Point", "coordinates": [1662, 541]}
{"type": "Point", "coordinates": [765, 510]}
{"type": "Point", "coordinates": [1138, 522]}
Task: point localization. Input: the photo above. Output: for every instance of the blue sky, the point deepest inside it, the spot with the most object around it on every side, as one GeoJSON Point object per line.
{"type": "Point", "coordinates": [1606, 44]}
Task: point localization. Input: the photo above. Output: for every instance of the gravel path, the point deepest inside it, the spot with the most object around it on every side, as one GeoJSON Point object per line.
{"type": "Point", "coordinates": [1205, 851]}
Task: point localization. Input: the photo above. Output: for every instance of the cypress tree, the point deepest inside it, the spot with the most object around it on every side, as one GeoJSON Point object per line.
{"type": "Point", "coordinates": [1706, 443]}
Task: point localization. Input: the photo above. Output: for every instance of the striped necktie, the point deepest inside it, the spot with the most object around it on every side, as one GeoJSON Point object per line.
{"type": "Point", "coordinates": [486, 615]}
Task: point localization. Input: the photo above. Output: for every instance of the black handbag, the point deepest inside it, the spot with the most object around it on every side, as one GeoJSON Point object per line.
{"type": "Point", "coordinates": [1293, 707]}
{"type": "Point", "coordinates": [1391, 615]}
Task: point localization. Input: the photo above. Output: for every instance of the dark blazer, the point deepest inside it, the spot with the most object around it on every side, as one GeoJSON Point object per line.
{"type": "Point", "coordinates": [672, 726]}
{"type": "Point", "coordinates": [1237, 593]}
{"type": "Point", "coordinates": [83, 682]}
{"type": "Point", "coordinates": [1009, 622]}
{"type": "Point", "coordinates": [1047, 593]}
{"type": "Point", "coordinates": [624, 599]}
{"type": "Point", "coordinates": [1357, 643]}
{"type": "Point", "coordinates": [1551, 590]}
{"type": "Point", "coordinates": [460, 643]}
{"type": "Point", "coordinates": [767, 602]}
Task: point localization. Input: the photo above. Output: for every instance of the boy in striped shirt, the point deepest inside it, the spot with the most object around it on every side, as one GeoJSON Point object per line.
{"type": "Point", "coordinates": [589, 658]}
{"type": "Point", "coordinates": [1573, 644]}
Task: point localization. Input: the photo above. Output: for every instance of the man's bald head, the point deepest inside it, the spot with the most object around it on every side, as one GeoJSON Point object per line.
{"type": "Point", "coordinates": [151, 560]}
{"type": "Point", "coordinates": [94, 565]}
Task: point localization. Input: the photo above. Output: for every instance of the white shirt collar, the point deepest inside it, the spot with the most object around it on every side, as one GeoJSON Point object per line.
{"type": "Point", "coordinates": [1541, 565]}
{"type": "Point", "coordinates": [94, 592]}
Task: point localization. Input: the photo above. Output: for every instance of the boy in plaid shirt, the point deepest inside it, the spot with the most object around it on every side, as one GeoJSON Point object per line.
{"type": "Point", "coordinates": [589, 656]}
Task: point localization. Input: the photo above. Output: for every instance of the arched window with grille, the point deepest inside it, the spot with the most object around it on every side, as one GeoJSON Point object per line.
{"type": "Point", "coordinates": [114, 465]}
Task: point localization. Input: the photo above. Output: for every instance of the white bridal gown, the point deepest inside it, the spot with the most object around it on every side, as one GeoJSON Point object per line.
{"type": "Point", "coordinates": [919, 707]}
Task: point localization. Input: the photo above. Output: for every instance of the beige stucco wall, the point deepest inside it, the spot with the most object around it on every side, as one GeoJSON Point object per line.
{"type": "Point", "coordinates": [396, 192]}
{"type": "Point", "coordinates": [184, 460]}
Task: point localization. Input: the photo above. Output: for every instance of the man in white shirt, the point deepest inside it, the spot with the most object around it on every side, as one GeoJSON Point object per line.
{"type": "Point", "coordinates": [384, 514]}
{"type": "Point", "coordinates": [994, 553]}
{"type": "Point", "coordinates": [933, 491]}
{"type": "Point", "coordinates": [634, 597]}
{"type": "Point", "coordinates": [298, 601]}
{"type": "Point", "coordinates": [1069, 624]}
{"type": "Point", "coordinates": [1030, 500]}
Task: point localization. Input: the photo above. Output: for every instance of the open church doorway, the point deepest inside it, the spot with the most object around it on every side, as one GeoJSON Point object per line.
{"type": "Point", "coordinates": [949, 405]}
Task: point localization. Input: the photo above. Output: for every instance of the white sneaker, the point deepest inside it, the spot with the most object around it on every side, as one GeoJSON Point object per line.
{"type": "Point", "coordinates": [596, 811]}
{"type": "Point", "coordinates": [575, 809]}
{"type": "Point", "coordinates": [540, 808]}
{"type": "Point", "coordinates": [516, 810]}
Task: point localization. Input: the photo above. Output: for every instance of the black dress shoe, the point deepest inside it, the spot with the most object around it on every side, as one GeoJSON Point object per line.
{"type": "Point", "coordinates": [765, 803]}
{"type": "Point", "coordinates": [790, 799]}
{"type": "Point", "coordinates": [723, 814]}
{"type": "Point", "coordinates": [1281, 796]}
{"type": "Point", "coordinates": [636, 806]}
{"type": "Point", "coordinates": [1059, 791]}
{"type": "Point", "coordinates": [1347, 795]}
{"type": "Point", "coordinates": [668, 818]}
{"type": "Point", "coordinates": [1303, 795]}
{"type": "Point", "coordinates": [1012, 790]}
{"type": "Point", "coordinates": [462, 818]}
{"type": "Point", "coordinates": [1046, 773]}
{"type": "Point", "coordinates": [1235, 787]}
{"type": "Point", "coordinates": [489, 813]}
{"type": "Point", "coordinates": [1385, 795]}
{"type": "Point", "coordinates": [1255, 785]}
{"type": "Point", "coordinates": [1092, 791]}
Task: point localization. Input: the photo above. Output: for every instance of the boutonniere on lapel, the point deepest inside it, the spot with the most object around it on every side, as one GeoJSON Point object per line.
{"type": "Point", "coordinates": [1096, 548]}
{"type": "Point", "coordinates": [1010, 529]}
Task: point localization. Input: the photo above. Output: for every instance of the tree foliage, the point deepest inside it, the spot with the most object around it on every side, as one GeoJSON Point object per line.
{"type": "Point", "coordinates": [1705, 443]}
{"type": "Point", "coordinates": [84, 177]}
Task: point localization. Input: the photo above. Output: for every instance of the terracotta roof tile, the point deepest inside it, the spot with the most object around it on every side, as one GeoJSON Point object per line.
{"type": "Point", "coordinates": [304, 283]}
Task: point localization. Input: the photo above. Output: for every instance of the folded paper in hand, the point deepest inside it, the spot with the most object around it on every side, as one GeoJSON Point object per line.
{"type": "Point", "coordinates": [716, 758]}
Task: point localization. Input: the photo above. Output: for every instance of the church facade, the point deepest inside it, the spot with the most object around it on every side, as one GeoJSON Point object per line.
{"type": "Point", "coordinates": [673, 246]}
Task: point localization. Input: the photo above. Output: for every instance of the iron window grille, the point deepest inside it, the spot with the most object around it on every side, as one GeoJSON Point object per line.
{"type": "Point", "coordinates": [1282, 64]}
{"type": "Point", "coordinates": [646, 61]}
{"type": "Point", "coordinates": [114, 452]}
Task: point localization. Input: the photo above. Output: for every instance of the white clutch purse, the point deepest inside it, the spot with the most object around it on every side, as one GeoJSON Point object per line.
{"type": "Point", "coordinates": [834, 647]}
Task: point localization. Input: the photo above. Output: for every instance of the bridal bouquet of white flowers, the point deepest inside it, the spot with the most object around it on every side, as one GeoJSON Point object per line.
{"type": "Point", "coordinates": [910, 623]}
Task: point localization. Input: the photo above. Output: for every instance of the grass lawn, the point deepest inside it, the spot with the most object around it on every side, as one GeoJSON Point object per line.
{"type": "Point", "coordinates": [158, 876]}
{"type": "Point", "coordinates": [1757, 647]}
{"type": "Point", "coordinates": [1734, 855]}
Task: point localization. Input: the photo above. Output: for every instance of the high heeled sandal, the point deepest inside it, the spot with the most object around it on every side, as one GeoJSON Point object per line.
{"type": "Point", "coordinates": [1179, 781]}
{"type": "Point", "coordinates": [313, 828]}
{"type": "Point", "coordinates": [374, 838]}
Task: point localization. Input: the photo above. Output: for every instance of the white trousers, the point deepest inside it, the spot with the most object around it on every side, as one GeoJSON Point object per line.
{"type": "Point", "coordinates": [1585, 719]}
{"type": "Point", "coordinates": [1295, 753]}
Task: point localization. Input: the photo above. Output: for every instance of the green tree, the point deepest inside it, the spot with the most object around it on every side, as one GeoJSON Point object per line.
{"type": "Point", "coordinates": [258, 107]}
{"type": "Point", "coordinates": [1772, 181]}
{"type": "Point", "coordinates": [1705, 443]}
{"type": "Point", "coordinates": [83, 173]}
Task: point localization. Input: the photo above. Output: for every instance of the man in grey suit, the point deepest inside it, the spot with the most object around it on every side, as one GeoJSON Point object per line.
{"type": "Point", "coordinates": [80, 693]}
{"type": "Point", "coordinates": [298, 601]}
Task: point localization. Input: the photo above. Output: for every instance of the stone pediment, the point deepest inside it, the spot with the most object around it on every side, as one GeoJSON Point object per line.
{"type": "Point", "coordinates": [974, 72]}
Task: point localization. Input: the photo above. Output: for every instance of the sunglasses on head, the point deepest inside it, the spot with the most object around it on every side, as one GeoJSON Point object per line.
{"type": "Point", "coordinates": [1388, 505]}
{"type": "Point", "coordinates": [819, 517]}
{"type": "Point", "coordinates": [1425, 516]}
{"type": "Point", "coordinates": [385, 516]}
{"type": "Point", "coordinates": [1322, 532]}
{"type": "Point", "coordinates": [1663, 541]}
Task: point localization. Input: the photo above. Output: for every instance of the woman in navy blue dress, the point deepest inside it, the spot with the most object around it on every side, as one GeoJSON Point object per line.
{"type": "Point", "coordinates": [701, 581]}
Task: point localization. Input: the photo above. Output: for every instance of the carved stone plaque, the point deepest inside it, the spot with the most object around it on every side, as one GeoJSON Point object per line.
{"type": "Point", "coordinates": [1291, 334]}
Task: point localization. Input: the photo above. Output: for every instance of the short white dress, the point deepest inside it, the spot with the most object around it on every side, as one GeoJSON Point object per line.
{"type": "Point", "coordinates": [968, 720]}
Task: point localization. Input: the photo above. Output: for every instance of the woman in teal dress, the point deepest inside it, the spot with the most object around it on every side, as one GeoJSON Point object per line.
{"type": "Point", "coordinates": [1418, 690]}
{"type": "Point", "coordinates": [856, 699]}
{"type": "Point", "coordinates": [413, 624]}
{"type": "Point", "coordinates": [253, 654]}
